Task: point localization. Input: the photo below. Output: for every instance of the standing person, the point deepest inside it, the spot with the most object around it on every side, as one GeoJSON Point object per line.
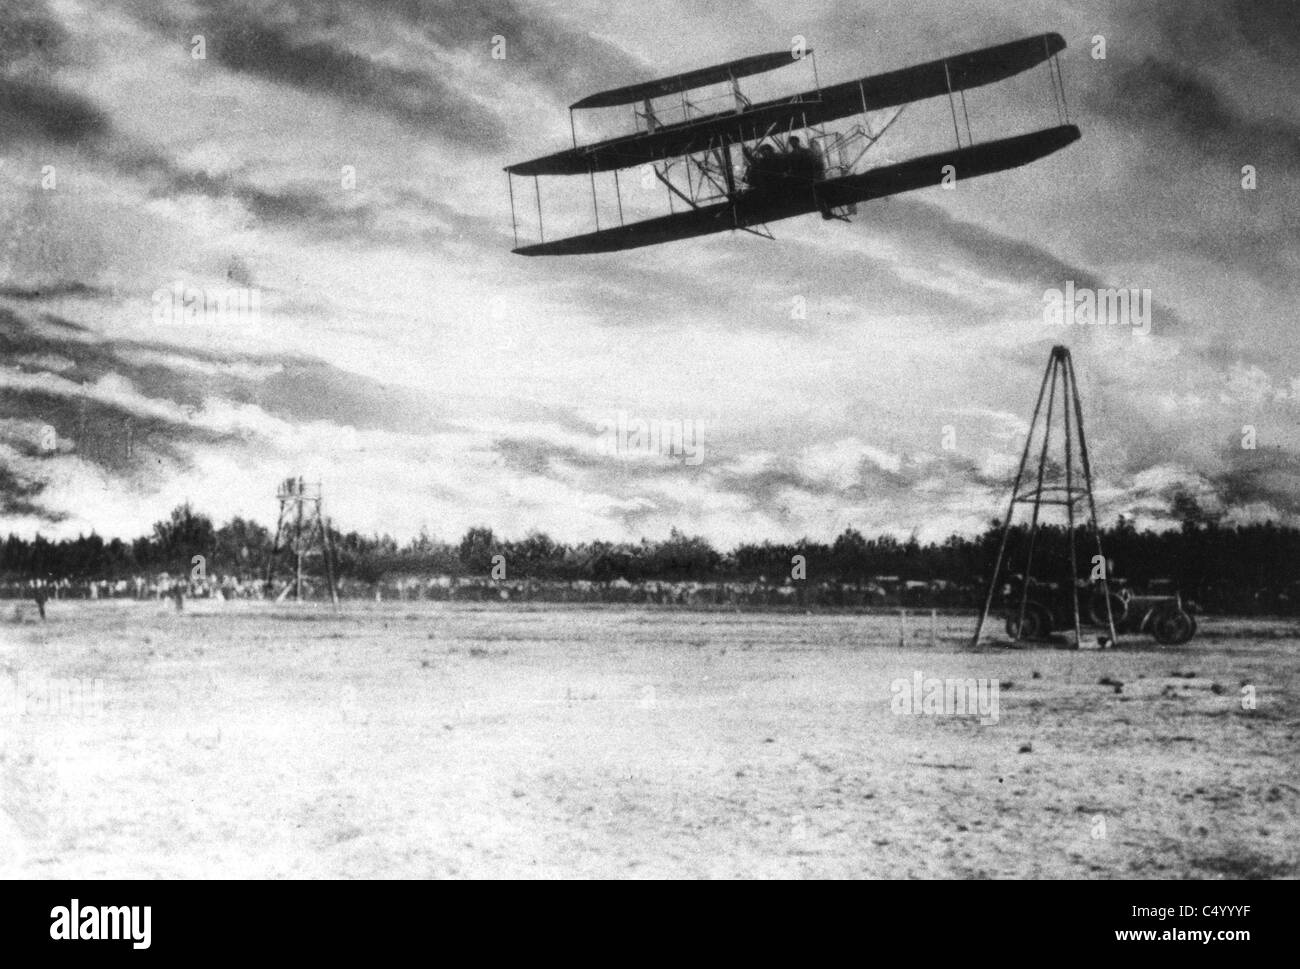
{"type": "Point", "coordinates": [40, 594]}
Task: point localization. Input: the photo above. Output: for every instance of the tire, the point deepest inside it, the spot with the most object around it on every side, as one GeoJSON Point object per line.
{"type": "Point", "coordinates": [1097, 609]}
{"type": "Point", "coordinates": [1173, 627]}
{"type": "Point", "coordinates": [1038, 624]}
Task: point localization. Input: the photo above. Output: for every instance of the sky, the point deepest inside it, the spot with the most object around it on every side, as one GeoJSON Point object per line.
{"type": "Point", "coordinates": [333, 170]}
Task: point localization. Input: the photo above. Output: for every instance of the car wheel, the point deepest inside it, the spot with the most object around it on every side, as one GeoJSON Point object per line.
{"type": "Point", "coordinates": [1097, 609]}
{"type": "Point", "coordinates": [1037, 625]}
{"type": "Point", "coordinates": [1173, 627]}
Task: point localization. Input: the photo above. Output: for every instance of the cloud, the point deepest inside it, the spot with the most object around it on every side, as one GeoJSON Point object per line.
{"type": "Point", "coordinates": [55, 291]}
{"type": "Point", "coordinates": [16, 494]}
{"type": "Point", "coordinates": [440, 380]}
{"type": "Point", "coordinates": [311, 47]}
{"type": "Point", "coordinates": [549, 50]}
{"type": "Point", "coordinates": [1176, 99]}
{"type": "Point", "coordinates": [134, 409]}
{"type": "Point", "coordinates": [46, 113]}
{"type": "Point", "coordinates": [33, 106]}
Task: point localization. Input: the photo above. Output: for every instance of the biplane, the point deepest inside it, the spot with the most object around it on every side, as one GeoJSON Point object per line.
{"type": "Point", "coordinates": [774, 179]}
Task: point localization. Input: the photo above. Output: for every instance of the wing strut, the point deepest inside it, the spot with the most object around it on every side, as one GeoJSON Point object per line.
{"type": "Point", "coordinates": [537, 191]}
{"type": "Point", "coordinates": [952, 104]}
{"type": "Point", "coordinates": [1058, 82]}
{"type": "Point", "coordinates": [695, 205]}
{"type": "Point", "coordinates": [675, 190]}
{"type": "Point", "coordinates": [514, 223]}
{"type": "Point", "coordinates": [765, 234]}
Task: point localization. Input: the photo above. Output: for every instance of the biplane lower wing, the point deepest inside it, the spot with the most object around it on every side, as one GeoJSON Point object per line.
{"type": "Point", "coordinates": [954, 74]}
{"type": "Point", "coordinates": [748, 209]}
{"type": "Point", "coordinates": [928, 170]}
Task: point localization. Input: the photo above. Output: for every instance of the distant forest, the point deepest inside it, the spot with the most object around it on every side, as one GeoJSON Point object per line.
{"type": "Point", "coordinates": [1220, 567]}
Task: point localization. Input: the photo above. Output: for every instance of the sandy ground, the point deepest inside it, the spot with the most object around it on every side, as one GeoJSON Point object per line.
{"type": "Point", "coordinates": [422, 740]}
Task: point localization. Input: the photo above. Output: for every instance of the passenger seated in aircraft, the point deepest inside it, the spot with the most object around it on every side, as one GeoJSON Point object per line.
{"type": "Point", "coordinates": [803, 163]}
{"type": "Point", "coordinates": [788, 170]}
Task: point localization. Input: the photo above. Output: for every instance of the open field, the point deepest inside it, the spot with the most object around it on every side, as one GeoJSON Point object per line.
{"type": "Point", "coordinates": [420, 740]}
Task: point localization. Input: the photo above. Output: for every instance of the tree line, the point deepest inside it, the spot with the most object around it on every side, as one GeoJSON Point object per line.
{"type": "Point", "coordinates": [1228, 567]}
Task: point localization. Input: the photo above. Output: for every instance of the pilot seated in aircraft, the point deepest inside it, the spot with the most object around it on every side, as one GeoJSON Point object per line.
{"type": "Point", "coordinates": [764, 170]}
{"type": "Point", "coordinates": [785, 172]}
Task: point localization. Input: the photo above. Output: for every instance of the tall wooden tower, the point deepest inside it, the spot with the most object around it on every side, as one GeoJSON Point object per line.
{"type": "Point", "coordinates": [300, 534]}
{"type": "Point", "coordinates": [1068, 491]}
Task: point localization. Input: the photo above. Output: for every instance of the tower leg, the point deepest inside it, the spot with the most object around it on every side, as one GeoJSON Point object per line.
{"type": "Point", "coordinates": [1092, 504]}
{"type": "Point", "coordinates": [1038, 496]}
{"type": "Point", "coordinates": [297, 545]}
{"type": "Point", "coordinates": [1011, 507]}
{"type": "Point", "coordinates": [328, 544]}
{"type": "Point", "coordinates": [275, 549]}
{"type": "Point", "coordinates": [1068, 393]}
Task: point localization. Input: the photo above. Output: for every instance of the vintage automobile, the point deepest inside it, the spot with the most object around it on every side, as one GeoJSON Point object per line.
{"type": "Point", "coordinates": [1048, 609]}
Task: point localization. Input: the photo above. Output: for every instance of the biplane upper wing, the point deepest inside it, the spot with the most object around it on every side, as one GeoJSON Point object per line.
{"type": "Point", "coordinates": [680, 83]}
{"type": "Point", "coordinates": [748, 210]}
{"type": "Point", "coordinates": [917, 83]}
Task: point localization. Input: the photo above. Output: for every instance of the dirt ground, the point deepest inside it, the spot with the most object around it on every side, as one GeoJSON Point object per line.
{"type": "Point", "coordinates": [410, 740]}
